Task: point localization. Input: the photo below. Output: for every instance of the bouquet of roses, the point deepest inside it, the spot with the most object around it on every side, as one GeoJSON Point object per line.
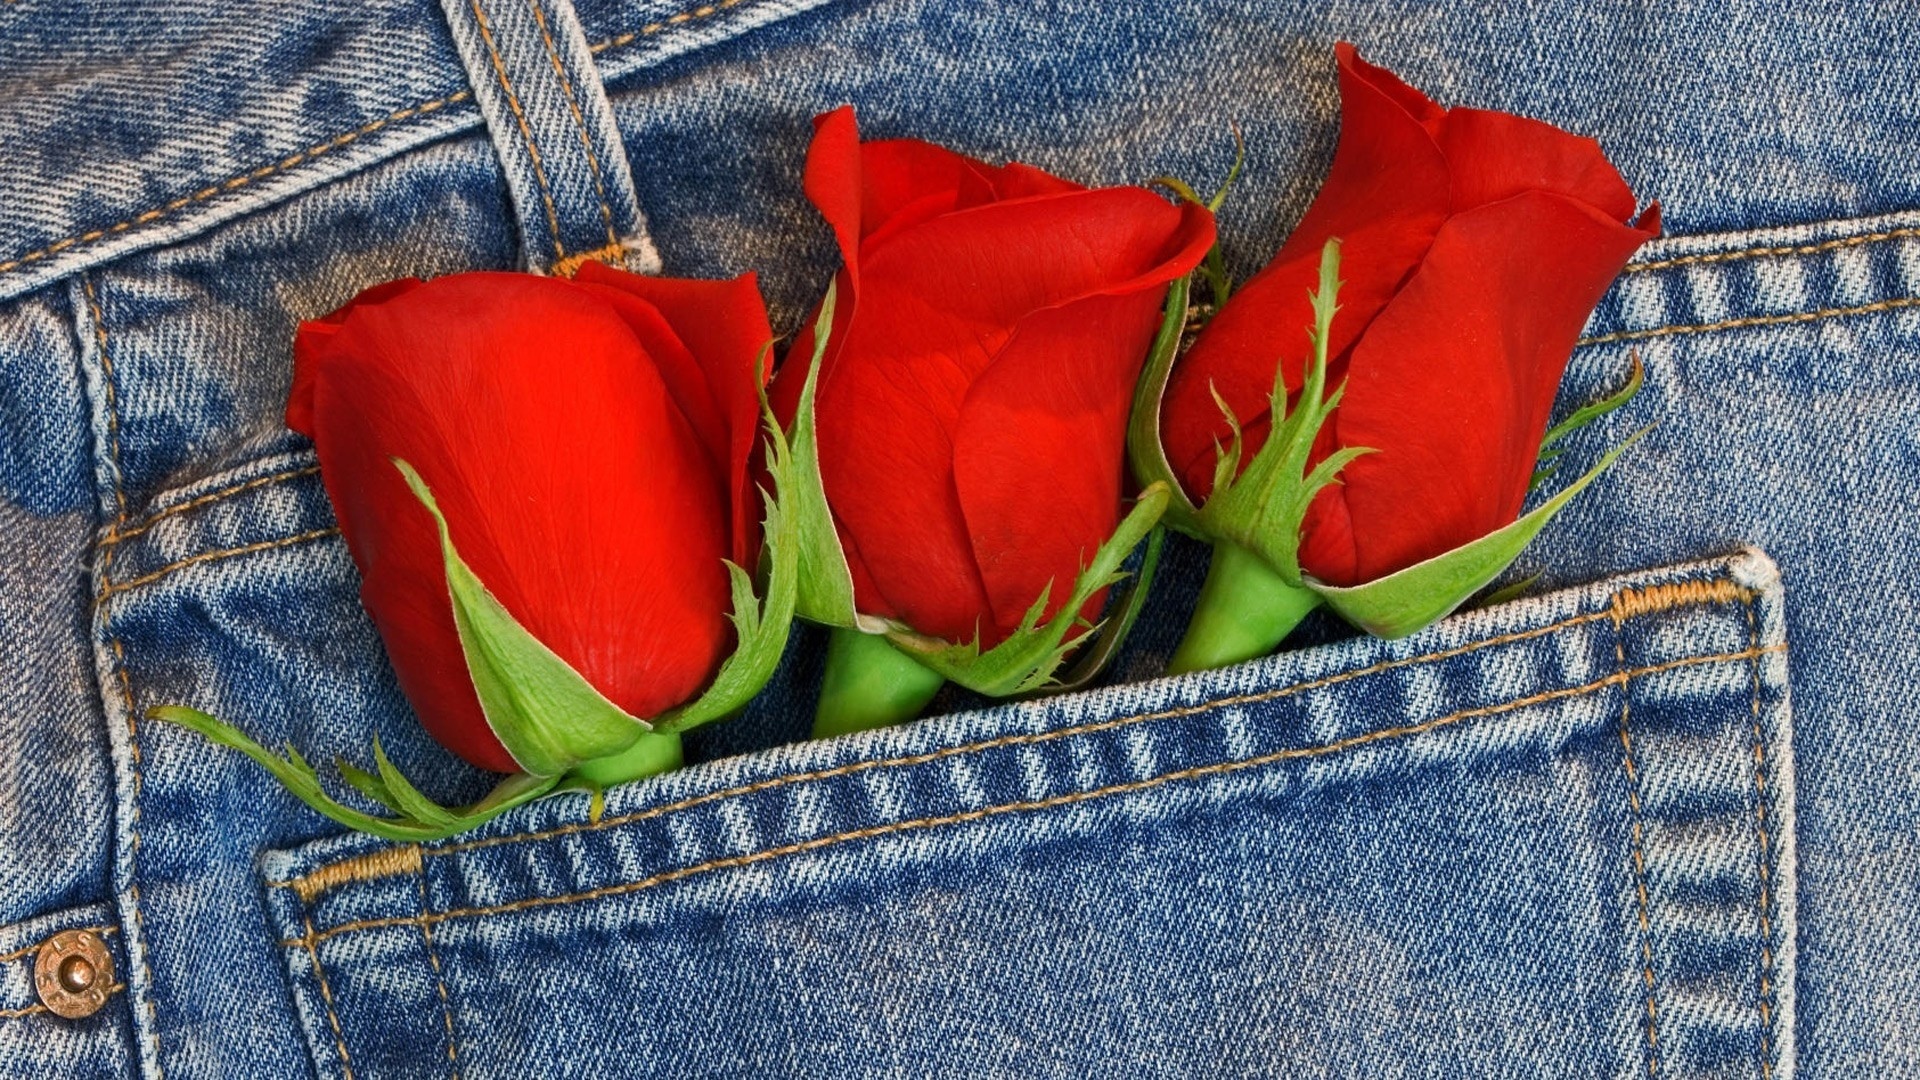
{"type": "Point", "coordinates": [585, 512]}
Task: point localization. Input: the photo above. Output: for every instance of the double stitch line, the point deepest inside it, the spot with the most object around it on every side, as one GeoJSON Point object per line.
{"type": "Point", "coordinates": [1191, 773]}
{"type": "Point", "coordinates": [110, 401]}
{"type": "Point", "coordinates": [1639, 852]}
{"type": "Point", "coordinates": [526, 131]}
{"type": "Point", "coordinates": [579, 123]}
{"type": "Point", "coordinates": [1765, 989]}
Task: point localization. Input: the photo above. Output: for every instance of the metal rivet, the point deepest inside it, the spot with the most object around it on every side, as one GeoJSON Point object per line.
{"type": "Point", "coordinates": [73, 973]}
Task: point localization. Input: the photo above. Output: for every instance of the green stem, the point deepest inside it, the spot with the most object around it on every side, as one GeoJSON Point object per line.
{"type": "Point", "coordinates": [654, 753]}
{"type": "Point", "coordinates": [868, 684]}
{"type": "Point", "coordinates": [1245, 611]}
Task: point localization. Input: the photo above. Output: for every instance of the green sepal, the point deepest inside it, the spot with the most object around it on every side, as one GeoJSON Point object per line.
{"type": "Point", "coordinates": [298, 777]}
{"type": "Point", "coordinates": [547, 715]}
{"type": "Point", "coordinates": [1145, 450]}
{"type": "Point", "coordinates": [825, 582]}
{"type": "Point", "coordinates": [1097, 654]}
{"type": "Point", "coordinates": [1262, 507]}
{"type": "Point", "coordinates": [1412, 599]}
{"type": "Point", "coordinates": [1550, 447]}
{"type": "Point", "coordinates": [1028, 658]}
{"type": "Point", "coordinates": [798, 566]}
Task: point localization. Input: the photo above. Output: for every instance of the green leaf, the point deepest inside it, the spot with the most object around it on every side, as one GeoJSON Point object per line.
{"type": "Point", "coordinates": [1412, 599]}
{"type": "Point", "coordinates": [299, 778]}
{"type": "Point", "coordinates": [1262, 507]}
{"type": "Point", "coordinates": [825, 582]}
{"type": "Point", "coordinates": [546, 714]}
{"type": "Point", "coordinates": [1145, 450]}
{"type": "Point", "coordinates": [1027, 659]}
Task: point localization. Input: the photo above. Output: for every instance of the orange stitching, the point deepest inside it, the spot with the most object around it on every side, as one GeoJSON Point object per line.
{"type": "Point", "coordinates": [1765, 252]}
{"type": "Point", "coordinates": [326, 995]}
{"type": "Point", "coordinates": [1025, 739]}
{"type": "Point", "coordinates": [702, 12]}
{"type": "Point", "coordinates": [433, 958]}
{"type": "Point", "coordinates": [1194, 772]}
{"type": "Point", "coordinates": [382, 863]}
{"type": "Point", "coordinates": [612, 254]}
{"type": "Point", "coordinates": [1766, 876]}
{"type": "Point", "coordinates": [215, 496]}
{"type": "Point", "coordinates": [209, 556]}
{"type": "Point", "coordinates": [1639, 857]}
{"type": "Point", "coordinates": [579, 121]}
{"type": "Point", "coordinates": [37, 1008]}
{"type": "Point", "coordinates": [1752, 320]}
{"type": "Point", "coordinates": [526, 132]}
{"type": "Point", "coordinates": [119, 666]}
{"type": "Point", "coordinates": [1628, 603]}
{"type": "Point", "coordinates": [237, 182]}
{"type": "Point", "coordinates": [16, 954]}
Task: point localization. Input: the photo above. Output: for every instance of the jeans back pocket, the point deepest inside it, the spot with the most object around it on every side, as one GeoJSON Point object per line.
{"type": "Point", "coordinates": [1548, 838]}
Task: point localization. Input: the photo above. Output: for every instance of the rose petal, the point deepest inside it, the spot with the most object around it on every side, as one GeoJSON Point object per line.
{"type": "Point", "coordinates": [1039, 505]}
{"type": "Point", "coordinates": [1482, 330]}
{"type": "Point", "coordinates": [1384, 197]}
{"type": "Point", "coordinates": [602, 535]}
{"type": "Point", "coordinates": [723, 326]}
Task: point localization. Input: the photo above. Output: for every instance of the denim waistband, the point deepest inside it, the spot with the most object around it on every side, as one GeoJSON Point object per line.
{"type": "Point", "coordinates": [124, 131]}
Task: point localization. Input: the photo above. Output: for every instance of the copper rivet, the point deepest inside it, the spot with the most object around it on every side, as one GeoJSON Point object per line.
{"type": "Point", "coordinates": [73, 972]}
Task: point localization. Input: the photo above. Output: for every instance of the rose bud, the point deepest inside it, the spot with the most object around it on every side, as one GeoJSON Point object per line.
{"type": "Point", "coordinates": [541, 482]}
{"type": "Point", "coordinates": [974, 380]}
{"type": "Point", "coordinates": [1476, 245]}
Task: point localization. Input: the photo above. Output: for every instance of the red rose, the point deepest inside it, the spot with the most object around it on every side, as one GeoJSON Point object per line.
{"type": "Point", "coordinates": [588, 442]}
{"type": "Point", "coordinates": [1476, 245]}
{"type": "Point", "coordinates": [972, 406]}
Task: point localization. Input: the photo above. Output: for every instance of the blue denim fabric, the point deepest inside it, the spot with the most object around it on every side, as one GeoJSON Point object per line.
{"type": "Point", "coordinates": [1579, 834]}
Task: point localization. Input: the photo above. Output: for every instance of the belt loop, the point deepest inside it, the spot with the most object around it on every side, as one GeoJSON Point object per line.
{"type": "Point", "coordinates": [533, 77]}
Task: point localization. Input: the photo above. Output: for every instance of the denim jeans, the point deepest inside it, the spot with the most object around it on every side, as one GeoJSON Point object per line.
{"type": "Point", "coordinates": [1657, 817]}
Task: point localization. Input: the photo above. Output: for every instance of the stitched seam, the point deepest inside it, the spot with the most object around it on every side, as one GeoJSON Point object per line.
{"type": "Point", "coordinates": [1023, 739]}
{"type": "Point", "coordinates": [1639, 853]}
{"type": "Point", "coordinates": [433, 958]}
{"type": "Point", "coordinates": [1751, 320]}
{"type": "Point", "coordinates": [37, 1008]}
{"type": "Point", "coordinates": [119, 667]}
{"type": "Point", "coordinates": [210, 556]}
{"type": "Point", "coordinates": [1194, 772]}
{"type": "Point", "coordinates": [326, 995]}
{"type": "Point", "coordinates": [112, 398]}
{"type": "Point", "coordinates": [16, 954]}
{"type": "Point", "coordinates": [579, 121]}
{"type": "Point", "coordinates": [526, 132]}
{"type": "Point", "coordinates": [704, 11]}
{"type": "Point", "coordinates": [237, 182]}
{"type": "Point", "coordinates": [1765, 995]}
{"type": "Point", "coordinates": [132, 531]}
{"type": "Point", "coordinates": [1767, 252]}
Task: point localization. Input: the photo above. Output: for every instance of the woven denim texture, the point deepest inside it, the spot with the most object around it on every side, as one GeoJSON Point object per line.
{"type": "Point", "coordinates": [183, 185]}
